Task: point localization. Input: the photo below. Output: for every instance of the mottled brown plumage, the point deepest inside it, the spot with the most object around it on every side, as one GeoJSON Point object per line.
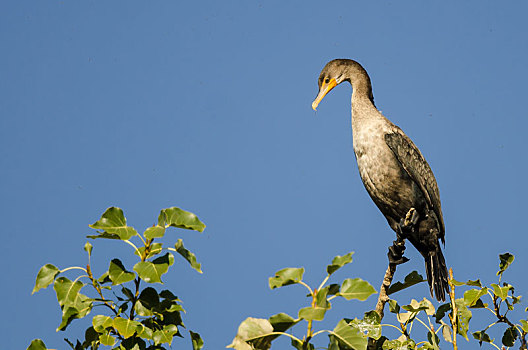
{"type": "Point", "coordinates": [394, 172]}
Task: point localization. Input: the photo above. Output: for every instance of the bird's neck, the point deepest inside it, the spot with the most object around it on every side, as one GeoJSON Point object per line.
{"type": "Point", "coordinates": [360, 81]}
{"type": "Point", "coordinates": [362, 100]}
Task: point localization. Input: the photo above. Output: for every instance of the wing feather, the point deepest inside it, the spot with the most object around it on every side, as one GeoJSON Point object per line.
{"type": "Point", "coordinates": [413, 162]}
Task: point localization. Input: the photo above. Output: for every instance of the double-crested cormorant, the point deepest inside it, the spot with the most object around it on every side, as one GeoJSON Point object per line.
{"type": "Point", "coordinates": [394, 172]}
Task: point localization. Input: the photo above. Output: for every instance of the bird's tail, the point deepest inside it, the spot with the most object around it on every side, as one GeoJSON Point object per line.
{"type": "Point", "coordinates": [436, 270]}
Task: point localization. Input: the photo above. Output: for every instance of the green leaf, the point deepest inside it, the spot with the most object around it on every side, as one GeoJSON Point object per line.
{"type": "Point", "coordinates": [118, 273]}
{"type": "Point", "coordinates": [197, 342]}
{"type": "Point", "coordinates": [91, 337]}
{"type": "Point", "coordinates": [107, 339]}
{"type": "Point", "coordinates": [369, 326]}
{"type": "Point", "coordinates": [252, 334]}
{"type": "Point", "coordinates": [424, 305]}
{"type": "Point", "coordinates": [433, 340]}
{"type": "Point", "coordinates": [154, 232]}
{"type": "Point", "coordinates": [524, 325]}
{"type": "Point", "coordinates": [349, 337]}
{"type": "Point", "coordinates": [101, 322]}
{"type": "Point", "coordinates": [321, 298]}
{"type": "Point", "coordinates": [69, 313]}
{"type": "Point", "coordinates": [506, 260]}
{"type": "Point", "coordinates": [500, 292]}
{"type": "Point", "coordinates": [88, 248]}
{"type": "Point", "coordinates": [146, 333]}
{"type": "Point", "coordinates": [509, 336]}
{"type": "Point", "coordinates": [168, 295]}
{"type": "Point", "coordinates": [165, 335]}
{"type": "Point", "coordinates": [104, 235]}
{"type": "Point", "coordinates": [447, 332]}
{"type": "Point", "coordinates": [151, 272]}
{"type": "Point", "coordinates": [356, 289]}
{"type": "Point", "coordinates": [338, 262]}
{"type": "Point", "coordinates": [72, 302]}
{"type": "Point", "coordinates": [187, 255]}
{"type": "Point", "coordinates": [410, 280]}
{"type": "Point", "coordinates": [441, 311]}
{"type": "Point", "coordinates": [282, 322]}
{"type": "Point", "coordinates": [479, 305]}
{"type": "Point", "coordinates": [177, 217]}
{"type": "Point", "coordinates": [45, 277]}
{"type": "Point", "coordinates": [286, 277]}
{"type": "Point", "coordinates": [105, 278]}
{"type": "Point", "coordinates": [318, 311]}
{"type": "Point", "coordinates": [463, 317]}
{"type": "Point", "coordinates": [113, 222]}
{"type": "Point", "coordinates": [148, 302]}
{"type": "Point", "coordinates": [312, 313]}
{"type": "Point", "coordinates": [67, 291]}
{"type": "Point", "coordinates": [414, 308]}
{"type": "Point", "coordinates": [406, 317]}
{"type": "Point", "coordinates": [333, 289]}
{"type": "Point", "coordinates": [393, 306]}
{"type": "Point", "coordinates": [401, 343]}
{"type": "Point", "coordinates": [135, 343]}
{"type": "Point", "coordinates": [37, 344]}
{"type": "Point", "coordinates": [127, 327]}
{"type": "Point", "coordinates": [482, 336]}
{"type": "Point", "coordinates": [457, 283]}
{"type": "Point", "coordinates": [473, 295]}
{"type": "Point", "coordinates": [127, 293]}
{"type": "Point", "coordinates": [475, 283]}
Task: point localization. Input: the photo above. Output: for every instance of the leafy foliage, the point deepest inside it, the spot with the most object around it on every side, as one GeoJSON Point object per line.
{"type": "Point", "coordinates": [443, 323]}
{"type": "Point", "coordinates": [136, 318]}
{"type": "Point", "coordinates": [258, 333]}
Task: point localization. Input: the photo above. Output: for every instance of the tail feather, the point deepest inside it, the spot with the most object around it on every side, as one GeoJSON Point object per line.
{"type": "Point", "coordinates": [436, 270]}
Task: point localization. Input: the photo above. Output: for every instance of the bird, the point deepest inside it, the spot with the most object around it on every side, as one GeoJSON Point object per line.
{"type": "Point", "coordinates": [394, 172]}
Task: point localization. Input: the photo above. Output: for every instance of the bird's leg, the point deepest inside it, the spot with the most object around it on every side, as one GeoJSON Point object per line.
{"type": "Point", "coordinates": [397, 248]}
{"type": "Point", "coordinates": [405, 227]}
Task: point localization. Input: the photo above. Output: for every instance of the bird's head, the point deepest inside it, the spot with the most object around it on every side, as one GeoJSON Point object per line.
{"type": "Point", "coordinates": [334, 73]}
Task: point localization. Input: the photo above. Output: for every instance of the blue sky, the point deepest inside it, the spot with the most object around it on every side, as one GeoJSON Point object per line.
{"type": "Point", "coordinates": [206, 105]}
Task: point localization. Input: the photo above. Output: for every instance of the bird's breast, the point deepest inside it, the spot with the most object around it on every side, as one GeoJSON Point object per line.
{"type": "Point", "coordinates": [385, 180]}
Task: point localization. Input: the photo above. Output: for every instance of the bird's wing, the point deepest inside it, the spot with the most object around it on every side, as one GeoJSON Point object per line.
{"type": "Point", "coordinates": [413, 162]}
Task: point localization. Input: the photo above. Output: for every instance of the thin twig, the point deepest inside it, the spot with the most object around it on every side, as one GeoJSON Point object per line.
{"type": "Point", "coordinates": [98, 289]}
{"type": "Point", "coordinates": [453, 317]}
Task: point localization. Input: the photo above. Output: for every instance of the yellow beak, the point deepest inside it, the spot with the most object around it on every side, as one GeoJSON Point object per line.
{"type": "Point", "coordinates": [325, 88]}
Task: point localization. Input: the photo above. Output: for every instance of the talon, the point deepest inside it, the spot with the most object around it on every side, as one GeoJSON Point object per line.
{"type": "Point", "coordinates": [397, 260]}
{"type": "Point", "coordinates": [395, 253]}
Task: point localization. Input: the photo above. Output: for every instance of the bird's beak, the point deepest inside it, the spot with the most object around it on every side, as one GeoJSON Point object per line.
{"type": "Point", "coordinates": [325, 88]}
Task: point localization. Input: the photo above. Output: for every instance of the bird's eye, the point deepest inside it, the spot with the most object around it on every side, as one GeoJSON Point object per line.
{"type": "Point", "coordinates": [327, 81]}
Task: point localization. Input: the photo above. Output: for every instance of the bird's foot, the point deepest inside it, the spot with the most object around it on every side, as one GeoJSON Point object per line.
{"type": "Point", "coordinates": [396, 251]}
{"type": "Point", "coordinates": [411, 218]}
{"type": "Point", "coordinates": [408, 223]}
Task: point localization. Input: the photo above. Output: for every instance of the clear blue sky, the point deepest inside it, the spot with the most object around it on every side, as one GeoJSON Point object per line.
{"type": "Point", "coordinates": [205, 105]}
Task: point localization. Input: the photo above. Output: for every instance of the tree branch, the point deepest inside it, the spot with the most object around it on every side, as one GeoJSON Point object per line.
{"type": "Point", "coordinates": [383, 297]}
